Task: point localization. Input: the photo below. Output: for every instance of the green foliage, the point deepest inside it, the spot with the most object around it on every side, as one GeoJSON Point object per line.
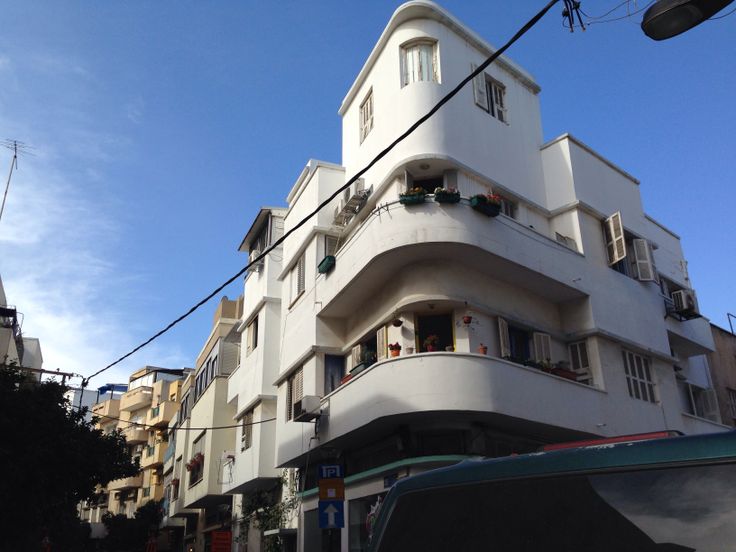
{"type": "Point", "coordinates": [271, 509]}
{"type": "Point", "coordinates": [51, 459]}
{"type": "Point", "coordinates": [127, 534]}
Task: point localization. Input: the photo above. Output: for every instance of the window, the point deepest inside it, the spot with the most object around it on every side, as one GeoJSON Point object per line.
{"type": "Point", "coordinates": [297, 278]}
{"type": "Point", "coordinates": [294, 391]}
{"type": "Point", "coordinates": [731, 402]}
{"type": "Point", "coordinates": [508, 207]}
{"type": "Point", "coordinates": [334, 372]}
{"type": "Point", "coordinates": [490, 96]}
{"type": "Point", "coordinates": [246, 439]}
{"type": "Point", "coordinates": [639, 377]}
{"type": "Point", "coordinates": [514, 342]}
{"type": "Point", "coordinates": [419, 62]}
{"type": "Point", "coordinates": [633, 257]}
{"type": "Point", "coordinates": [366, 116]}
{"type": "Point", "coordinates": [579, 360]}
{"type": "Point", "coordinates": [251, 335]}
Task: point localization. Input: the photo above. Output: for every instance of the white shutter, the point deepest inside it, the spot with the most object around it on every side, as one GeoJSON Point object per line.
{"type": "Point", "coordinates": [644, 261]}
{"type": "Point", "coordinates": [300, 274]}
{"type": "Point", "coordinates": [710, 405]}
{"type": "Point", "coordinates": [479, 89]}
{"type": "Point", "coordinates": [330, 245]}
{"type": "Point", "coordinates": [355, 355]}
{"type": "Point", "coordinates": [381, 343]}
{"type": "Point", "coordinates": [542, 347]}
{"type": "Point", "coordinates": [579, 357]}
{"type": "Point", "coordinates": [503, 338]}
{"type": "Point", "coordinates": [409, 180]}
{"type": "Point", "coordinates": [615, 241]}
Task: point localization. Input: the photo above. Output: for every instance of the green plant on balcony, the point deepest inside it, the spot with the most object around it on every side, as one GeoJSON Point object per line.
{"type": "Point", "coordinates": [413, 196]}
{"type": "Point", "coordinates": [449, 195]}
{"type": "Point", "coordinates": [488, 204]}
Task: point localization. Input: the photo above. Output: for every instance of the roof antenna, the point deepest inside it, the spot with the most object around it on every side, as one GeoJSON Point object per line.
{"type": "Point", "coordinates": [16, 147]}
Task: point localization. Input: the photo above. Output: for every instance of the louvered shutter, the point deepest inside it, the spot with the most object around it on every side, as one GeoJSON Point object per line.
{"type": "Point", "coordinates": [381, 343]}
{"type": "Point", "coordinates": [615, 240]}
{"type": "Point", "coordinates": [330, 245]}
{"type": "Point", "coordinates": [300, 274]}
{"type": "Point", "coordinates": [409, 180]}
{"type": "Point", "coordinates": [355, 355]}
{"type": "Point", "coordinates": [710, 405]}
{"type": "Point", "coordinates": [542, 347]}
{"type": "Point", "coordinates": [479, 89]}
{"type": "Point", "coordinates": [503, 338]}
{"type": "Point", "coordinates": [644, 261]}
{"type": "Point", "coordinates": [298, 385]}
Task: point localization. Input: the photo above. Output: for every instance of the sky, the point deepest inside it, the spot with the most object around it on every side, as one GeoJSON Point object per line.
{"type": "Point", "coordinates": [160, 128]}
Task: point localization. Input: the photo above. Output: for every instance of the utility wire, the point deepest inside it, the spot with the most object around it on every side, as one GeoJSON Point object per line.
{"type": "Point", "coordinates": [322, 205]}
{"type": "Point", "coordinates": [145, 426]}
{"type": "Point", "coordinates": [721, 16]}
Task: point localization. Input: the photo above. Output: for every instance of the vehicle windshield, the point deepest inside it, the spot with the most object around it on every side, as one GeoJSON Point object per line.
{"type": "Point", "coordinates": [663, 510]}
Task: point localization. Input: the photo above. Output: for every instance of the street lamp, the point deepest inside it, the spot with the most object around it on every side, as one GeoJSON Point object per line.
{"type": "Point", "coordinates": [668, 18]}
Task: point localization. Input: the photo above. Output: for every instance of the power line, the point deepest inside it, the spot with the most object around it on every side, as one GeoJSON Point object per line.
{"type": "Point", "coordinates": [721, 16]}
{"type": "Point", "coordinates": [360, 173]}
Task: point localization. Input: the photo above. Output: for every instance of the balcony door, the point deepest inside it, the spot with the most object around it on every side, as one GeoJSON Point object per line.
{"type": "Point", "coordinates": [439, 325]}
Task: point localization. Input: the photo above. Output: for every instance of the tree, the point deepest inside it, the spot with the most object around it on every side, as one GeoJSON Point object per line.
{"type": "Point", "coordinates": [124, 534]}
{"type": "Point", "coordinates": [50, 459]}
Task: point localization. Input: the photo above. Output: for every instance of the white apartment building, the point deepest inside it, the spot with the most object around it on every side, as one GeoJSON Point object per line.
{"type": "Point", "coordinates": [569, 315]}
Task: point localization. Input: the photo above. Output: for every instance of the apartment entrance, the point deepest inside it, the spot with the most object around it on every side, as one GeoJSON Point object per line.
{"type": "Point", "coordinates": [435, 332]}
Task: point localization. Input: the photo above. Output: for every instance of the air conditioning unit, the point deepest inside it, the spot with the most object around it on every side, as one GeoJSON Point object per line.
{"type": "Point", "coordinates": [252, 257]}
{"type": "Point", "coordinates": [684, 300]}
{"type": "Point", "coordinates": [307, 409]}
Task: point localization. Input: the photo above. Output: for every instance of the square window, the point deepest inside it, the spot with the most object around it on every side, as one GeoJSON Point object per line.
{"type": "Point", "coordinates": [496, 99]}
{"type": "Point", "coordinates": [639, 377]}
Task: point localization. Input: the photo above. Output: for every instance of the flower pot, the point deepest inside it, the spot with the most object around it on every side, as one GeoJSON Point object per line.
{"type": "Point", "coordinates": [394, 352]}
{"type": "Point", "coordinates": [431, 348]}
{"type": "Point", "coordinates": [483, 350]}
{"type": "Point", "coordinates": [411, 199]}
{"type": "Point", "coordinates": [327, 264]}
{"type": "Point", "coordinates": [410, 350]}
{"type": "Point", "coordinates": [564, 373]}
{"type": "Point", "coordinates": [467, 319]}
{"type": "Point", "coordinates": [447, 197]}
{"type": "Point", "coordinates": [397, 322]}
{"type": "Point", "coordinates": [483, 206]}
{"type": "Point", "coordinates": [346, 378]}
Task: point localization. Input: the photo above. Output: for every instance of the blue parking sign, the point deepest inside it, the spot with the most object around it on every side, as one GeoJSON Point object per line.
{"type": "Point", "coordinates": [331, 514]}
{"type": "Point", "coordinates": [330, 471]}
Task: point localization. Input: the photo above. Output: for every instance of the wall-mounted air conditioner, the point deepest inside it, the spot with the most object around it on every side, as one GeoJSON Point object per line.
{"type": "Point", "coordinates": [684, 301]}
{"type": "Point", "coordinates": [307, 409]}
{"type": "Point", "coordinates": [252, 257]}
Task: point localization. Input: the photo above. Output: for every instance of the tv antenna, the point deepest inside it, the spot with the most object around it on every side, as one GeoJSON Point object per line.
{"type": "Point", "coordinates": [17, 147]}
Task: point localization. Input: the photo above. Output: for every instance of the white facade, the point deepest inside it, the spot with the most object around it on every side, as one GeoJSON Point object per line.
{"type": "Point", "coordinates": [543, 334]}
{"type": "Point", "coordinates": [15, 348]}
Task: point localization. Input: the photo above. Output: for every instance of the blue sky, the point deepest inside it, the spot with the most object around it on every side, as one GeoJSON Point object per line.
{"type": "Point", "coordinates": [161, 127]}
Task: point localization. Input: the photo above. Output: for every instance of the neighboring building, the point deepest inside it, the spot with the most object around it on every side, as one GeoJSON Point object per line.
{"type": "Point", "coordinates": [200, 459]}
{"type": "Point", "coordinates": [723, 366]}
{"type": "Point", "coordinates": [142, 413]}
{"type": "Point", "coordinates": [15, 349]}
{"type": "Point", "coordinates": [568, 316]}
{"type": "Point", "coordinates": [80, 397]}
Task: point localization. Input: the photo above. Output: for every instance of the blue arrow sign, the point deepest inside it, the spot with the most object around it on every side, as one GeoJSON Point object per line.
{"type": "Point", "coordinates": [331, 514]}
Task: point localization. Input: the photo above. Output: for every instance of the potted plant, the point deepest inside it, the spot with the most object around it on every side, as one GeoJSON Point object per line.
{"type": "Point", "coordinates": [397, 322]}
{"type": "Point", "coordinates": [450, 195]}
{"type": "Point", "coordinates": [467, 319]}
{"type": "Point", "coordinates": [413, 196]}
{"type": "Point", "coordinates": [394, 349]}
{"type": "Point", "coordinates": [488, 204]}
{"type": "Point", "coordinates": [482, 349]}
{"type": "Point", "coordinates": [562, 369]}
{"type": "Point", "coordinates": [326, 264]}
{"type": "Point", "coordinates": [430, 342]}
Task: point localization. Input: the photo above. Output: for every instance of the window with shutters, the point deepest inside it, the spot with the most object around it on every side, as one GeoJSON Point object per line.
{"type": "Point", "coordinates": [246, 438]}
{"type": "Point", "coordinates": [334, 372]}
{"type": "Point", "coordinates": [699, 401]}
{"type": "Point", "coordinates": [294, 391]}
{"type": "Point", "coordinates": [515, 342]}
{"type": "Point", "coordinates": [366, 115]}
{"type": "Point", "coordinates": [331, 245]}
{"type": "Point", "coordinates": [613, 230]}
{"type": "Point", "coordinates": [419, 62]}
{"type": "Point", "coordinates": [579, 361]}
{"type": "Point", "coordinates": [731, 396]}
{"type": "Point", "coordinates": [542, 347]}
{"type": "Point", "coordinates": [490, 96]}
{"type": "Point", "coordinates": [639, 377]}
{"type": "Point", "coordinates": [631, 256]}
{"type": "Point", "coordinates": [252, 335]}
{"type": "Point", "coordinates": [297, 279]}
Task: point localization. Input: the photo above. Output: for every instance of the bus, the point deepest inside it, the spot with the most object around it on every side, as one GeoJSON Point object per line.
{"type": "Point", "coordinates": [628, 494]}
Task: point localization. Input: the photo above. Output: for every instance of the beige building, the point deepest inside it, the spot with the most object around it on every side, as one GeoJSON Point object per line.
{"type": "Point", "coordinates": [200, 459]}
{"type": "Point", "coordinates": [723, 368]}
{"type": "Point", "coordinates": [16, 349]}
{"type": "Point", "coordinates": [142, 413]}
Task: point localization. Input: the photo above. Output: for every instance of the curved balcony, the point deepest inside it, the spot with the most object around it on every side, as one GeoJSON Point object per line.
{"type": "Point", "coordinates": [125, 483]}
{"type": "Point", "coordinates": [136, 398]}
{"type": "Point", "coordinates": [134, 435]}
{"type": "Point", "coordinates": [161, 414]}
{"type": "Point", "coordinates": [385, 246]}
{"type": "Point", "coordinates": [153, 455]}
{"type": "Point", "coordinates": [463, 388]}
{"type": "Point", "coordinates": [107, 409]}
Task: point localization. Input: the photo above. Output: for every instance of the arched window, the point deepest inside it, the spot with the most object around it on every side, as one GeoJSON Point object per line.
{"type": "Point", "coordinates": [419, 62]}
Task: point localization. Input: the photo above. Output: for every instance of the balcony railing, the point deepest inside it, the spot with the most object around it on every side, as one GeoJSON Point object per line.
{"type": "Point", "coordinates": [162, 413]}
{"type": "Point", "coordinates": [153, 456]}
{"type": "Point", "coordinates": [136, 398]}
{"type": "Point", "coordinates": [109, 408]}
